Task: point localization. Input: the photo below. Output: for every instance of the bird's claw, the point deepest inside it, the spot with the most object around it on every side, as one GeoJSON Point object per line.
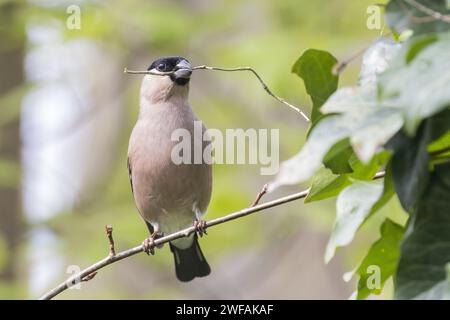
{"type": "Point", "coordinates": [200, 227]}
{"type": "Point", "coordinates": [148, 245]}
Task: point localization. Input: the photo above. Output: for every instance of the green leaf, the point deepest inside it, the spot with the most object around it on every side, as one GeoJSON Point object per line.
{"type": "Point", "coordinates": [325, 185]}
{"type": "Point", "coordinates": [315, 68]}
{"type": "Point", "coordinates": [420, 88]}
{"type": "Point", "coordinates": [368, 128]}
{"type": "Point", "coordinates": [401, 16]}
{"type": "Point", "coordinates": [304, 165]}
{"type": "Point", "coordinates": [426, 249]}
{"type": "Point", "coordinates": [337, 158]}
{"type": "Point", "coordinates": [440, 132]}
{"type": "Point", "coordinates": [362, 119]}
{"type": "Point", "coordinates": [410, 169]}
{"type": "Point", "coordinates": [388, 190]}
{"type": "Point", "coordinates": [417, 45]}
{"type": "Point", "coordinates": [410, 162]}
{"type": "Point", "coordinates": [376, 59]}
{"type": "Point", "coordinates": [441, 290]}
{"type": "Point", "coordinates": [372, 124]}
{"type": "Point", "coordinates": [381, 261]}
{"type": "Point", "coordinates": [362, 171]}
{"type": "Point", "coordinates": [348, 219]}
{"type": "Point", "coordinates": [351, 99]}
{"type": "Point", "coordinates": [353, 205]}
{"type": "Point", "coordinates": [442, 143]}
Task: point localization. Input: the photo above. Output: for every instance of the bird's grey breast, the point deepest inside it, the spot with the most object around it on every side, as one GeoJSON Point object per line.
{"type": "Point", "coordinates": [163, 190]}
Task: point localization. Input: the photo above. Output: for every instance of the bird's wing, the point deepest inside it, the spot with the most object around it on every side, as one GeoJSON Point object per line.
{"type": "Point", "coordinates": [130, 176]}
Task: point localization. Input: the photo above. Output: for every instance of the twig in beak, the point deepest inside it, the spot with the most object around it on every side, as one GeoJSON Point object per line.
{"type": "Point", "coordinates": [265, 87]}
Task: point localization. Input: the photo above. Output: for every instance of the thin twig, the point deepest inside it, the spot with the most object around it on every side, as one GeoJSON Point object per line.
{"type": "Point", "coordinates": [109, 230]}
{"type": "Point", "coordinates": [265, 87]}
{"type": "Point", "coordinates": [340, 66]}
{"type": "Point", "coordinates": [92, 270]}
{"type": "Point", "coordinates": [415, 19]}
{"type": "Point", "coordinates": [260, 195]}
{"type": "Point", "coordinates": [428, 11]}
{"type": "Point", "coordinates": [183, 233]}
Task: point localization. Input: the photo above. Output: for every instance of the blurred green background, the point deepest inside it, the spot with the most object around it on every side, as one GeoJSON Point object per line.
{"type": "Point", "coordinates": [67, 110]}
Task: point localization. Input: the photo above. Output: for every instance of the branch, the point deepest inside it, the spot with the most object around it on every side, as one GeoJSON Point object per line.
{"type": "Point", "coordinates": [265, 87]}
{"type": "Point", "coordinates": [436, 15]}
{"type": "Point", "coordinates": [112, 250]}
{"type": "Point", "coordinates": [89, 271]}
{"type": "Point", "coordinates": [340, 66]}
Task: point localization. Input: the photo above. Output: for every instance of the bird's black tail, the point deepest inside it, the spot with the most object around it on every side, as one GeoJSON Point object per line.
{"type": "Point", "coordinates": [190, 262]}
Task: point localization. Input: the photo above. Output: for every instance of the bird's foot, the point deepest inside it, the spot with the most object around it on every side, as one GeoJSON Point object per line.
{"type": "Point", "coordinates": [148, 245]}
{"type": "Point", "coordinates": [200, 227]}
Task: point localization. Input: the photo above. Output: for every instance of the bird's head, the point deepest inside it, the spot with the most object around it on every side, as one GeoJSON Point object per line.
{"type": "Point", "coordinates": [157, 88]}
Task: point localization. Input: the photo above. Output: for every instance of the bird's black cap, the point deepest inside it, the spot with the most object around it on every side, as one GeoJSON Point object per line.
{"type": "Point", "coordinates": [168, 64]}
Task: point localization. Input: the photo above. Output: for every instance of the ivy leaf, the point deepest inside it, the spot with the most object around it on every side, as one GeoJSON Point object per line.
{"type": "Point", "coordinates": [442, 143]}
{"type": "Point", "coordinates": [426, 249]}
{"type": "Point", "coordinates": [440, 135]}
{"type": "Point", "coordinates": [419, 88]}
{"type": "Point", "coordinates": [376, 59]}
{"type": "Point", "coordinates": [377, 125]}
{"type": "Point", "coordinates": [411, 180]}
{"type": "Point", "coordinates": [440, 291]}
{"type": "Point", "coordinates": [304, 165]}
{"type": "Point", "coordinates": [381, 261]}
{"type": "Point", "coordinates": [362, 171]}
{"type": "Point", "coordinates": [418, 44]}
{"type": "Point", "coordinates": [337, 158]}
{"type": "Point", "coordinates": [353, 205]}
{"type": "Point", "coordinates": [351, 99]}
{"type": "Point", "coordinates": [388, 190]}
{"type": "Point", "coordinates": [325, 185]}
{"type": "Point", "coordinates": [366, 123]}
{"type": "Point", "coordinates": [410, 167]}
{"type": "Point", "coordinates": [315, 68]}
{"type": "Point", "coordinates": [401, 16]}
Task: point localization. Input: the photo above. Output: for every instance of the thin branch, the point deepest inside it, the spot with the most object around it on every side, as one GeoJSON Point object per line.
{"type": "Point", "coordinates": [112, 250]}
{"type": "Point", "coordinates": [340, 66]}
{"type": "Point", "coordinates": [260, 195]}
{"type": "Point", "coordinates": [183, 233]}
{"type": "Point", "coordinates": [265, 87]}
{"type": "Point", "coordinates": [91, 271]}
{"type": "Point", "coordinates": [428, 11]}
{"type": "Point", "coordinates": [417, 20]}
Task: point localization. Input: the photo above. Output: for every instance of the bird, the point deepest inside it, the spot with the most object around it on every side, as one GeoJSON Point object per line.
{"type": "Point", "coordinates": [169, 196]}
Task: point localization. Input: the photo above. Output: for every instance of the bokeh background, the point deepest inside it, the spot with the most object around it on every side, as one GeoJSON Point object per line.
{"type": "Point", "coordinates": [67, 110]}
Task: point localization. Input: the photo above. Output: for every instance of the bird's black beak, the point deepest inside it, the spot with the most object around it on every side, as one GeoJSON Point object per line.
{"type": "Point", "coordinates": [183, 70]}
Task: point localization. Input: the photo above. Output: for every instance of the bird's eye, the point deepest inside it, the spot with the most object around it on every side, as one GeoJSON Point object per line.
{"type": "Point", "coordinates": [161, 67]}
